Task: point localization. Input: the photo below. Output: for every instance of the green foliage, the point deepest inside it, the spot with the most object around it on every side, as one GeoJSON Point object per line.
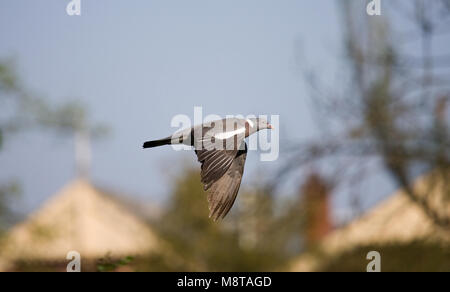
{"type": "Point", "coordinates": [253, 237]}
{"type": "Point", "coordinates": [31, 111]}
{"type": "Point", "coordinates": [67, 118]}
{"type": "Point", "coordinates": [7, 193]}
{"type": "Point", "coordinates": [8, 80]}
{"type": "Point", "coordinates": [27, 111]}
{"type": "Point", "coordinates": [107, 264]}
{"type": "Point", "coordinates": [408, 257]}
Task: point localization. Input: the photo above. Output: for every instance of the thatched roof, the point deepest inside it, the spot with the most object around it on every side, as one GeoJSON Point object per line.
{"type": "Point", "coordinates": [396, 220]}
{"type": "Point", "coordinates": [80, 218]}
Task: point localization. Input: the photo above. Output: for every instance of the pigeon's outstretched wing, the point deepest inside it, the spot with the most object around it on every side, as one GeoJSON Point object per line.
{"type": "Point", "coordinates": [222, 193]}
{"type": "Point", "coordinates": [217, 160]}
{"type": "Point", "coordinates": [223, 166]}
{"type": "Point", "coordinates": [215, 163]}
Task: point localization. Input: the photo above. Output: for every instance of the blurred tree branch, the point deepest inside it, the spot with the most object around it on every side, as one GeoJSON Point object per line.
{"type": "Point", "coordinates": [20, 110]}
{"type": "Point", "coordinates": [393, 105]}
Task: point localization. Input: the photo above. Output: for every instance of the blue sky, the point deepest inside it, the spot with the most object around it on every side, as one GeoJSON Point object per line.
{"type": "Point", "coordinates": [136, 64]}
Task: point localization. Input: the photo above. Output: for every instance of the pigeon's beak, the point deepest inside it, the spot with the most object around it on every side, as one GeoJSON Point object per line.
{"type": "Point", "coordinates": [269, 126]}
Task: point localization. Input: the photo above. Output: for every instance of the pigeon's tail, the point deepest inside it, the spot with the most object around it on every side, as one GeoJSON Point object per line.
{"type": "Point", "coordinates": [156, 143]}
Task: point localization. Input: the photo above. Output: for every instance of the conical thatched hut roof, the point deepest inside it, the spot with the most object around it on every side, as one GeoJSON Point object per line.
{"type": "Point", "coordinates": [395, 220]}
{"type": "Point", "coordinates": [80, 218]}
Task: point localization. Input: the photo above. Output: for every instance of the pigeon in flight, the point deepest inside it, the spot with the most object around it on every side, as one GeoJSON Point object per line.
{"type": "Point", "coordinates": [221, 149]}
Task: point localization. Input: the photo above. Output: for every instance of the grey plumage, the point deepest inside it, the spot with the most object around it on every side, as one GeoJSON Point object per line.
{"type": "Point", "coordinates": [223, 193]}
{"type": "Point", "coordinates": [221, 149]}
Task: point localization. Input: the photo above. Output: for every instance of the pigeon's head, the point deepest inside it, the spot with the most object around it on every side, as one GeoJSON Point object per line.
{"type": "Point", "coordinates": [259, 124]}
